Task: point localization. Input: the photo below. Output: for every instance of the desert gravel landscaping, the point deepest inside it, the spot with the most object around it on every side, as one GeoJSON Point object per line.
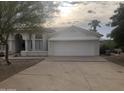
{"type": "Point", "coordinates": [117, 59]}
{"type": "Point", "coordinates": [17, 65]}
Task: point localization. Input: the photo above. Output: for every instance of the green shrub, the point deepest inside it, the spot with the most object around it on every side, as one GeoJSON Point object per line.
{"type": "Point", "coordinates": [107, 45]}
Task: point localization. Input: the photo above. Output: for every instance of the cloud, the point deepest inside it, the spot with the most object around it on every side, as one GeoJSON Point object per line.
{"type": "Point", "coordinates": [77, 2]}
{"type": "Point", "coordinates": [81, 13]}
{"type": "Point", "coordinates": [91, 11]}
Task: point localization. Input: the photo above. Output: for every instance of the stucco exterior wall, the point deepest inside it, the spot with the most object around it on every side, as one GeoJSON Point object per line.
{"type": "Point", "coordinates": [29, 46]}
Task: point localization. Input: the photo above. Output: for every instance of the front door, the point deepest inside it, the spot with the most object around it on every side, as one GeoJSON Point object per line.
{"type": "Point", "coordinates": [19, 43]}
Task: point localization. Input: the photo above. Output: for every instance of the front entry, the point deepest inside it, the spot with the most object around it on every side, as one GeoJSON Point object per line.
{"type": "Point", "coordinates": [19, 43]}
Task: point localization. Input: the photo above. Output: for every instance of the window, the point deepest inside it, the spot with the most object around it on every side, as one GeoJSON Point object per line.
{"type": "Point", "coordinates": [39, 45]}
{"type": "Point", "coordinates": [38, 36]}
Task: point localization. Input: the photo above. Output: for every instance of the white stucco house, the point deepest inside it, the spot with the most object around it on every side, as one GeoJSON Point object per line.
{"type": "Point", "coordinates": [61, 41]}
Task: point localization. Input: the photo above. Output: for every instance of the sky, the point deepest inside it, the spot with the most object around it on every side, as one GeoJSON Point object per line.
{"type": "Point", "coordinates": [82, 12]}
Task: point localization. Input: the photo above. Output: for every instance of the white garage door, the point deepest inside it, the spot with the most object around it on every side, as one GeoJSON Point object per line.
{"type": "Point", "coordinates": [73, 48]}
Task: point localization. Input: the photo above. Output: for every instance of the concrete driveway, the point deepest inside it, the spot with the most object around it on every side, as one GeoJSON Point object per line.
{"type": "Point", "coordinates": [59, 73]}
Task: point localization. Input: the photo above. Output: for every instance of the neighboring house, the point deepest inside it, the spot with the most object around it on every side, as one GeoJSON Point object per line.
{"type": "Point", "coordinates": [61, 41]}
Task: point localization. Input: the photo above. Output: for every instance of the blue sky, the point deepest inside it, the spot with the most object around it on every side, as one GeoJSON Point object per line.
{"type": "Point", "coordinates": [81, 13]}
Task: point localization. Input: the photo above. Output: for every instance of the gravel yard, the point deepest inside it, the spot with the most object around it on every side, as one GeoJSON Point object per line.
{"type": "Point", "coordinates": [117, 59]}
{"type": "Point", "coordinates": [17, 65]}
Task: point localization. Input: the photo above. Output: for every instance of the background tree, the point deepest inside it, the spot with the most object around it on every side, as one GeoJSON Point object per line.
{"type": "Point", "coordinates": [18, 15]}
{"type": "Point", "coordinates": [118, 23]}
{"type": "Point", "coordinates": [94, 24]}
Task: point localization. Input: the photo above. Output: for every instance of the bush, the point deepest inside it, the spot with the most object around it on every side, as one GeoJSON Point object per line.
{"type": "Point", "coordinates": [107, 46]}
{"type": "Point", "coordinates": [103, 49]}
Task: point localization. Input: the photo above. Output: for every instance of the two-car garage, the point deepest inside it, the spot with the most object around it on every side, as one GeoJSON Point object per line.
{"type": "Point", "coordinates": [73, 42]}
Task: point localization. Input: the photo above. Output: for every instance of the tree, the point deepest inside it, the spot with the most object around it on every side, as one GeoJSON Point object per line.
{"type": "Point", "coordinates": [118, 23]}
{"type": "Point", "coordinates": [18, 15]}
{"type": "Point", "coordinates": [94, 24]}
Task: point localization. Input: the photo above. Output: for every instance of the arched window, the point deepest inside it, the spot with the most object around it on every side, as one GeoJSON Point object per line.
{"type": "Point", "coordinates": [38, 36]}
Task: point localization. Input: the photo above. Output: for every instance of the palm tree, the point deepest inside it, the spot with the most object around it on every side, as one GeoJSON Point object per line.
{"type": "Point", "coordinates": [94, 24]}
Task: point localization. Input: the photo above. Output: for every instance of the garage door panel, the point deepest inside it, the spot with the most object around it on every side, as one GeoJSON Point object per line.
{"type": "Point", "coordinates": [71, 48]}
